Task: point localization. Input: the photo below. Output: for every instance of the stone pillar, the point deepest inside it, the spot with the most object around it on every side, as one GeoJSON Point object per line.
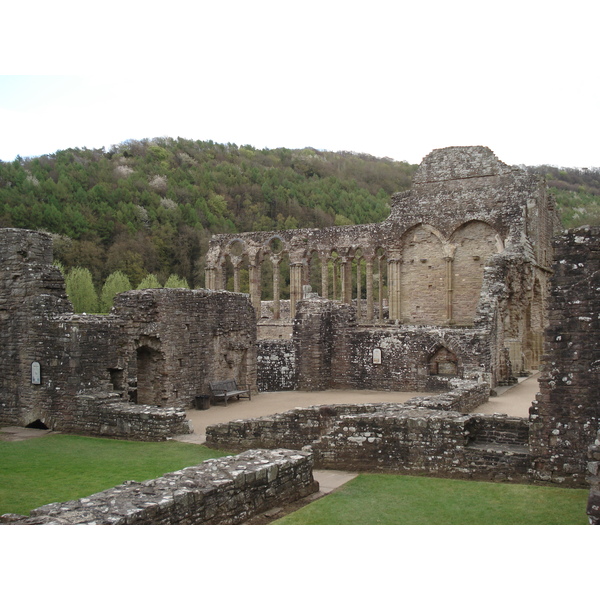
{"type": "Point", "coordinates": [254, 276]}
{"type": "Point", "coordinates": [381, 263]}
{"type": "Point", "coordinates": [394, 265]}
{"type": "Point", "coordinates": [235, 261]}
{"type": "Point", "coordinates": [324, 278]}
{"type": "Point", "coordinates": [296, 276]}
{"type": "Point", "coordinates": [449, 278]}
{"type": "Point", "coordinates": [276, 289]}
{"type": "Point", "coordinates": [358, 289]}
{"type": "Point", "coordinates": [210, 278]}
{"type": "Point", "coordinates": [335, 284]}
{"type": "Point", "coordinates": [369, 273]}
{"type": "Point", "coordinates": [346, 284]}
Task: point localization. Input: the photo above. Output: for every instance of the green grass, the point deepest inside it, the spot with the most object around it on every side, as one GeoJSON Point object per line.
{"type": "Point", "coordinates": [56, 468]}
{"type": "Point", "coordinates": [404, 500]}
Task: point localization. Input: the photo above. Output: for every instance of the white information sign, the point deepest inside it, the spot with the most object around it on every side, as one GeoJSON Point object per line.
{"type": "Point", "coordinates": [377, 356]}
{"type": "Point", "coordinates": [36, 373]}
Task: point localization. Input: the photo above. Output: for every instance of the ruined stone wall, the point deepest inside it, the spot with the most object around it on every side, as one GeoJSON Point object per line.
{"type": "Point", "coordinates": [222, 491]}
{"type": "Point", "coordinates": [410, 439]}
{"type": "Point", "coordinates": [418, 441]}
{"type": "Point", "coordinates": [177, 341]}
{"type": "Point", "coordinates": [593, 506]}
{"type": "Point", "coordinates": [335, 351]}
{"type": "Point", "coordinates": [467, 246]}
{"type": "Point", "coordinates": [158, 348]}
{"type": "Point", "coordinates": [565, 417]}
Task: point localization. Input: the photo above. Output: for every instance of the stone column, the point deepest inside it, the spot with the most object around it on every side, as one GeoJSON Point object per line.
{"type": "Point", "coordinates": [346, 285]}
{"type": "Point", "coordinates": [210, 278]}
{"type": "Point", "coordinates": [254, 276]}
{"type": "Point", "coordinates": [369, 272]}
{"type": "Point", "coordinates": [449, 299]}
{"type": "Point", "coordinates": [296, 273]}
{"type": "Point", "coordinates": [358, 289]}
{"type": "Point", "coordinates": [394, 265]}
{"type": "Point", "coordinates": [335, 279]}
{"type": "Point", "coordinates": [324, 277]}
{"type": "Point", "coordinates": [276, 290]}
{"type": "Point", "coordinates": [381, 264]}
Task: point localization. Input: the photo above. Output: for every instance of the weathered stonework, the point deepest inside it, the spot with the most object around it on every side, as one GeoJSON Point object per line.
{"type": "Point", "coordinates": [460, 266]}
{"type": "Point", "coordinates": [222, 491]}
{"type": "Point", "coordinates": [129, 374]}
{"type": "Point", "coordinates": [410, 439]}
{"type": "Point", "coordinates": [558, 444]}
{"type": "Point", "coordinates": [276, 365]}
{"type": "Point", "coordinates": [566, 416]}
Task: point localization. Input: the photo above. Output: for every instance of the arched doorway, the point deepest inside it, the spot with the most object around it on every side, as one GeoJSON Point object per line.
{"type": "Point", "coordinates": [150, 368]}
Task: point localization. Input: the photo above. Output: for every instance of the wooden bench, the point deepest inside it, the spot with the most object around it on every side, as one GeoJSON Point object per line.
{"type": "Point", "coordinates": [223, 390]}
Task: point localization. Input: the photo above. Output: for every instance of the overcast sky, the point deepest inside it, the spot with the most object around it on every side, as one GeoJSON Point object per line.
{"type": "Point", "coordinates": [387, 78]}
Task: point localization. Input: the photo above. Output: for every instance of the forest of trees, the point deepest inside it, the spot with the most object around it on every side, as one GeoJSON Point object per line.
{"type": "Point", "coordinates": [149, 207]}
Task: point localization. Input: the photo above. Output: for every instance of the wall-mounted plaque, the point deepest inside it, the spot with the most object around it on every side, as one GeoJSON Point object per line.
{"type": "Point", "coordinates": [36, 373]}
{"type": "Point", "coordinates": [377, 356]}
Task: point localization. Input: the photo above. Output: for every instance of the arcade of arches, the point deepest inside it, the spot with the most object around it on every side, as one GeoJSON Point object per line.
{"type": "Point", "coordinates": [467, 247]}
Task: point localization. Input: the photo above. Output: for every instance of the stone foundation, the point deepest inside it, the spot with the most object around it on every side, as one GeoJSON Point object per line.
{"type": "Point", "coordinates": [221, 491]}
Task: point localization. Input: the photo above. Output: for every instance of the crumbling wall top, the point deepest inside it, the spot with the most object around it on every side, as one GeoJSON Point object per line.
{"type": "Point", "coordinates": [459, 162]}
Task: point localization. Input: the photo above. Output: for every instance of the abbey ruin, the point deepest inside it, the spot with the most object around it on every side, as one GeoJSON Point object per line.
{"type": "Point", "coordinates": [464, 287]}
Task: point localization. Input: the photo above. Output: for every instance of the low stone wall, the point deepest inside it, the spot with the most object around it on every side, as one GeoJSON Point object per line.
{"type": "Point", "coordinates": [295, 428]}
{"type": "Point", "coordinates": [421, 442]}
{"type": "Point", "coordinates": [465, 397]}
{"type": "Point", "coordinates": [103, 413]}
{"type": "Point", "coordinates": [103, 416]}
{"type": "Point", "coordinates": [302, 426]}
{"type": "Point", "coordinates": [498, 429]}
{"type": "Point", "coordinates": [227, 490]}
{"type": "Point", "coordinates": [391, 438]}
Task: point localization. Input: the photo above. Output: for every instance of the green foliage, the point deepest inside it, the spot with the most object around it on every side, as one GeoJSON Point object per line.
{"type": "Point", "coordinates": [150, 206]}
{"type": "Point", "coordinates": [60, 267]}
{"type": "Point", "coordinates": [577, 193]}
{"type": "Point", "coordinates": [150, 281]}
{"type": "Point", "coordinates": [174, 281]}
{"type": "Point", "coordinates": [80, 290]}
{"type": "Point", "coordinates": [404, 500]}
{"type": "Point", "coordinates": [115, 283]}
{"type": "Point", "coordinates": [58, 468]}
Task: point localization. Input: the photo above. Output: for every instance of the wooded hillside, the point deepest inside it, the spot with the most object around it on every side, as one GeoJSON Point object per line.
{"type": "Point", "coordinates": [150, 206]}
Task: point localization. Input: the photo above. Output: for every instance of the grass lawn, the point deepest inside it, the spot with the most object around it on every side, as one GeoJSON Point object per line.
{"type": "Point", "coordinates": [55, 468]}
{"type": "Point", "coordinates": [403, 500]}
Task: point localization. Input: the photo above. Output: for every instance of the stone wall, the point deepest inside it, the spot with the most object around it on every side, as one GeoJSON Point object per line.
{"type": "Point", "coordinates": [157, 349]}
{"type": "Point", "coordinates": [334, 350]}
{"type": "Point", "coordinates": [593, 507]}
{"type": "Point", "coordinates": [103, 413]}
{"type": "Point", "coordinates": [392, 438]}
{"type": "Point", "coordinates": [224, 491]}
{"type": "Point", "coordinates": [467, 247]}
{"type": "Point", "coordinates": [276, 365]}
{"type": "Point", "coordinates": [566, 416]}
{"type": "Point", "coordinates": [419, 441]}
{"type": "Point", "coordinates": [177, 341]}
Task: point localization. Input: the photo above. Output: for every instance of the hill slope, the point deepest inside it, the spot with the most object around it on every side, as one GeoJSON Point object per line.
{"type": "Point", "coordinates": [150, 206]}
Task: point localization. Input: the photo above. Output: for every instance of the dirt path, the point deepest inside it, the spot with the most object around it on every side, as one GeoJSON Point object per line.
{"type": "Point", "coordinates": [514, 401]}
